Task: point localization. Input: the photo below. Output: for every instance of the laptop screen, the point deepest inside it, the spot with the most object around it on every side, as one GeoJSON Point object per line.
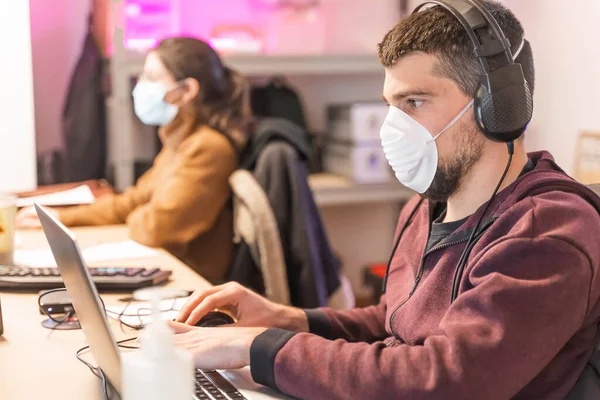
{"type": "Point", "coordinates": [84, 296]}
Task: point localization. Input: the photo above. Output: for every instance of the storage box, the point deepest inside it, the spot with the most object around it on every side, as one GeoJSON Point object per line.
{"type": "Point", "coordinates": [357, 123]}
{"type": "Point", "coordinates": [361, 163]}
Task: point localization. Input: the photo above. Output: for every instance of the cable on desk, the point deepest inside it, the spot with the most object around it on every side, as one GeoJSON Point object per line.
{"type": "Point", "coordinates": [149, 310]}
{"type": "Point", "coordinates": [123, 346]}
{"type": "Point", "coordinates": [138, 314]}
{"type": "Point", "coordinates": [96, 370]}
{"type": "Point", "coordinates": [69, 311]}
{"type": "Point", "coordinates": [104, 383]}
{"type": "Point", "coordinates": [121, 315]}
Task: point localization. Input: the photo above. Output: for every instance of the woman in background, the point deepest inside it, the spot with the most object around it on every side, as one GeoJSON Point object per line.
{"type": "Point", "coordinates": [182, 202]}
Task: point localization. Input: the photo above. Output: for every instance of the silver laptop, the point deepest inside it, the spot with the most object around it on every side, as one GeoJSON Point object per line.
{"type": "Point", "coordinates": [238, 384]}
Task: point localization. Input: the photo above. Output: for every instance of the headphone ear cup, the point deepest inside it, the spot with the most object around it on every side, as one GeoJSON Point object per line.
{"type": "Point", "coordinates": [504, 115]}
{"type": "Point", "coordinates": [481, 93]}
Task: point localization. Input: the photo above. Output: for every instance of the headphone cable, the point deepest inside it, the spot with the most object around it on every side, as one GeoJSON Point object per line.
{"type": "Point", "coordinates": [458, 274]}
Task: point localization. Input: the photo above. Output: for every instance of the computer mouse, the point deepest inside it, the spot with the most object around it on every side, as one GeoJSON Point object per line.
{"type": "Point", "coordinates": [213, 319]}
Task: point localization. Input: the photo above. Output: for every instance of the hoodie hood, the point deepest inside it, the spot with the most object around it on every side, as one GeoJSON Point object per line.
{"type": "Point", "coordinates": [546, 176]}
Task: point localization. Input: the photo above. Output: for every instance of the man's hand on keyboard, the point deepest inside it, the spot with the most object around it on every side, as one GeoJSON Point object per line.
{"type": "Point", "coordinates": [248, 308]}
{"type": "Point", "coordinates": [216, 348]}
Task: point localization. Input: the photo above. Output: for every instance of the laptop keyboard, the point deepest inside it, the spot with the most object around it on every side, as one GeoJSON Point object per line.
{"type": "Point", "coordinates": [211, 385]}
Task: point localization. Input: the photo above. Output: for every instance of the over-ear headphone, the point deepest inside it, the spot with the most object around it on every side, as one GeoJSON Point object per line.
{"type": "Point", "coordinates": [503, 104]}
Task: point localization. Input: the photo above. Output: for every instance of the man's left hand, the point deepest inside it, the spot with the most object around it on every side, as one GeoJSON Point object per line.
{"type": "Point", "coordinates": [216, 348]}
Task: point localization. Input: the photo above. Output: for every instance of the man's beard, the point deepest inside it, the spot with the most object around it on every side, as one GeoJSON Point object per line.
{"type": "Point", "coordinates": [452, 169]}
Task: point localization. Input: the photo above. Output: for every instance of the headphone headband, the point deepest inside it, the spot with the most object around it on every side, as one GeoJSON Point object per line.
{"type": "Point", "coordinates": [475, 18]}
{"type": "Point", "coordinates": [503, 100]}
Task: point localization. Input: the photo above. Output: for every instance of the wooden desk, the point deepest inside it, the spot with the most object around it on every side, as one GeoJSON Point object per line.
{"type": "Point", "coordinates": [36, 363]}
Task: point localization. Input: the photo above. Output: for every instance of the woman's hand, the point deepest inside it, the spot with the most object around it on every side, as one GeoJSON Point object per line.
{"type": "Point", "coordinates": [27, 218]}
{"type": "Point", "coordinates": [248, 308]}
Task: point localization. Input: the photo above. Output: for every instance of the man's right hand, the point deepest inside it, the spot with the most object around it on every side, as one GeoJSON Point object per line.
{"type": "Point", "coordinates": [248, 308]}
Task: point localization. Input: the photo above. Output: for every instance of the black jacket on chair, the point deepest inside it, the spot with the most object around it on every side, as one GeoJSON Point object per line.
{"type": "Point", "coordinates": [277, 157]}
{"type": "Point", "coordinates": [83, 119]}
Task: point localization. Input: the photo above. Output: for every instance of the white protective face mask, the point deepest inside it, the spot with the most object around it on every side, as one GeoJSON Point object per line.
{"type": "Point", "coordinates": [149, 104]}
{"type": "Point", "coordinates": [411, 150]}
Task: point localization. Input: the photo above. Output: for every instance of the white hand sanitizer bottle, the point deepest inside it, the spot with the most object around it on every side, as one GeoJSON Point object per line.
{"type": "Point", "coordinates": [158, 371]}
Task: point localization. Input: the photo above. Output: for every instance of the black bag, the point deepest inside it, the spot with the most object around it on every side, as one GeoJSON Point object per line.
{"type": "Point", "coordinates": [278, 100]}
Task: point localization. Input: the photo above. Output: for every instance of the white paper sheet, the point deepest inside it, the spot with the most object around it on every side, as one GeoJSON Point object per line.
{"type": "Point", "coordinates": [78, 195]}
{"type": "Point", "coordinates": [139, 313]}
{"type": "Point", "coordinates": [125, 250]}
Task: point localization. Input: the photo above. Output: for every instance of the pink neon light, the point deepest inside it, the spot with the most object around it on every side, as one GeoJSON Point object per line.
{"type": "Point", "coordinates": [247, 26]}
{"type": "Point", "coordinates": [146, 21]}
{"type": "Point", "coordinates": [133, 10]}
{"type": "Point", "coordinates": [140, 44]}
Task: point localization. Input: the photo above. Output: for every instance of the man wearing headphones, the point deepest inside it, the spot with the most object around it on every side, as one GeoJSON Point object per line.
{"type": "Point", "coordinates": [492, 291]}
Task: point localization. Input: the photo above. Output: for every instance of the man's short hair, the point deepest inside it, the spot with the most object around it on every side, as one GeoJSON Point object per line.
{"type": "Point", "coordinates": [437, 32]}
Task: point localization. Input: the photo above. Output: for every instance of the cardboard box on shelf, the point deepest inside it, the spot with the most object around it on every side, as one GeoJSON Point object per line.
{"type": "Point", "coordinates": [357, 123]}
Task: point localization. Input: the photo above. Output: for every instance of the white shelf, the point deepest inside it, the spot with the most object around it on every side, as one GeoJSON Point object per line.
{"type": "Point", "coordinates": [305, 65]}
{"type": "Point", "coordinates": [333, 190]}
{"type": "Point", "coordinates": [266, 65]}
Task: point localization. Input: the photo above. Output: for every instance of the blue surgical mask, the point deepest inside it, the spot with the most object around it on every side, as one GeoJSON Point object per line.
{"type": "Point", "coordinates": [150, 105]}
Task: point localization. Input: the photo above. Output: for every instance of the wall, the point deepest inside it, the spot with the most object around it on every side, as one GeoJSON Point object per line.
{"type": "Point", "coordinates": [564, 41]}
{"type": "Point", "coordinates": [57, 31]}
{"type": "Point", "coordinates": [17, 131]}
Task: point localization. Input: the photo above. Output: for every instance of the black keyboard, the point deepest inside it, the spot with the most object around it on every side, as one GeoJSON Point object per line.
{"type": "Point", "coordinates": [105, 278]}
{"type": "Point", "coordinates": [211, 385]}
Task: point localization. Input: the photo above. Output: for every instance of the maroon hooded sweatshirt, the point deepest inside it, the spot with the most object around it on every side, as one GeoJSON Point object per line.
{"type": "Point", "coordinates": [523, 325]}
